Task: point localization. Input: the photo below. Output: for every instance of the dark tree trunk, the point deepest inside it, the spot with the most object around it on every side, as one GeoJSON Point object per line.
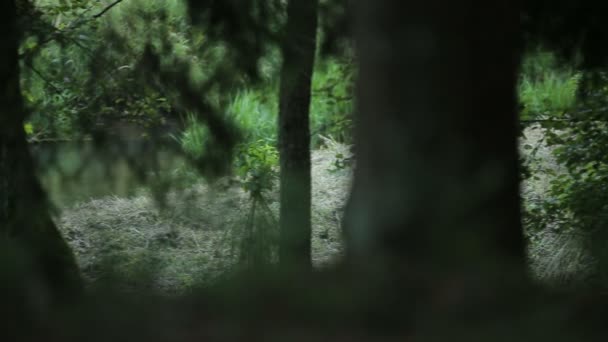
{"type": "Point", "coordinates": [24, 213]}
{"type": "Point", "coordinates": [436, 183]}
{"type": "Point", "coordinates": [294, 133]}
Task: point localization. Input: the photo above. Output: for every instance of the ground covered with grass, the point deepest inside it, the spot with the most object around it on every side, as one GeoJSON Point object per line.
{"type": "Point", "coordinates": [194, 237]}
{"type": "Point", "coordinates": [557, 256]}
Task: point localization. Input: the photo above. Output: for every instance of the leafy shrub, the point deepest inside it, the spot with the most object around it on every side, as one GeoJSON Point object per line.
{"type": "Point", "coordinates": [256, 166]}
{"type": "Point", "coordinates": [87, 75]}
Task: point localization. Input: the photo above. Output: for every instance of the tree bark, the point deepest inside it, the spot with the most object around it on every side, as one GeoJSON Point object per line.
{"type": "Point", "coordinates": [294, 134]}
{"type": "Point", "coordinates": [436, 182]}
{"type": "Point", "coordinates": [24, 212]}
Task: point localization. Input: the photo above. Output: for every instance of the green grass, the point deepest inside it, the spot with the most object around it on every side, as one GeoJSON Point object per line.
{"type": "Point", "coordinates": [547, 89]}
{"type": "Point", "coordinates": [255, 109]}
{"type": "Point", "coordinates": [255, 112]}
{"type": "Point", "coordinates": [194, 138]}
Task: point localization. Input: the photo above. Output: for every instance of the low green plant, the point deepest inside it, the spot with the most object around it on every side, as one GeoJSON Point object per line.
{"type": "Point", "coordinates": [256, 167]}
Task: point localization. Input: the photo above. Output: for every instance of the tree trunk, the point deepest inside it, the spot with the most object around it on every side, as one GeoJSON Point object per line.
{"type": "Point", "coordinates": [436, 182]}
{"type": "Point", "coordinates": [294, 134]}
{"type": "Point", "coordinates": [24, 213]}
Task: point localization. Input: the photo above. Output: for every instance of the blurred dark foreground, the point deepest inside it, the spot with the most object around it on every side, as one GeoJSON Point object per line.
{"type": "Point", "coordinates": [329, 305]}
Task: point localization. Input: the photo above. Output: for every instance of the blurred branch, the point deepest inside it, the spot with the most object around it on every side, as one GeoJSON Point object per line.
{"type": "Point", "coordinates": [107, 8]}
{"type": "Point", "coordinates": [63, 34]}
{"type": "Point", "coordinates": [42, 77]}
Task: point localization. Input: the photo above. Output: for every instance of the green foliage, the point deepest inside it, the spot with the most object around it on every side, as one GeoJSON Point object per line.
{"type": "Point", "coordinates": [107, 49]}
{"type": "Point", "coordinates": [575, 130]}
{"type": "Point", "coordinates": [254, 111]}
{"type": "Point", "coordinates": [545, 89]}
{"type": "Point", "coordinates": [194, 138]}
{"type": "Point", "coordinates": [254, 108]}
{"type": "Point", "coordinates": [28, 128]}
{"type": "Point", "coordinates": [87, 74]}
{"type": "Point", "coordinates": [256, 166]}
{"type": "Point", "coordinates": [332, 101]}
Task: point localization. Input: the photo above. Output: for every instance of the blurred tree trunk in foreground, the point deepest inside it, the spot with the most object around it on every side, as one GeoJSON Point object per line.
{"type": "Point", "coordinates": [24, 211]}
{"type": "Point", "coordinates": [436, 184]}
{"type": "Point", "coordinates": [294, 133]}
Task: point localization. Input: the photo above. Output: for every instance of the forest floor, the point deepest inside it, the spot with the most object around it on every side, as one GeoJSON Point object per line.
{"type": "Point", "coordinates": [195, 237]}
{"type": "Point", "coordinates": [556, 257]}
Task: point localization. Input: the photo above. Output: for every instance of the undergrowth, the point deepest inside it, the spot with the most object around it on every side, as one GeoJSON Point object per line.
{"type": "Point", "coordinates": [564, 188]}
{"type": "Point", "coordinates": [205, 231]}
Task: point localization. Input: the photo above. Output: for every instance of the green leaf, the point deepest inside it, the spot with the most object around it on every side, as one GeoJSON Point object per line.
{"type": "Point", "coordinates": [29, 128]}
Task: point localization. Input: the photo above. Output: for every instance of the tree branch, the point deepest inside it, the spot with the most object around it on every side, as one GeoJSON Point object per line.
{"type": "Point", "coordinates": [72, 26]}
{"type": "Point", "coordinates": [109, 7]}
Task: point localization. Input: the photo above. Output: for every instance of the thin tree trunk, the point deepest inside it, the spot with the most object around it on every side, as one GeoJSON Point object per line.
{"type": "Point", "coordinates": [24, 211]}
{"type": "Point", "coordinates": [436, 182]}
{"type": "Point", "coordinates": [294, 133]}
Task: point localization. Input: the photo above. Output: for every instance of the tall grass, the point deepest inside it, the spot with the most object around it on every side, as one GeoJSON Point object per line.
{"type": "Point", "coordinates": [255, 113]}
{"type": "Point", "coordinates": [255, 109]}
{"type": "Point", "coordinates": [194, 138]}
{"type": "Point", "coordinates": [546, 87]}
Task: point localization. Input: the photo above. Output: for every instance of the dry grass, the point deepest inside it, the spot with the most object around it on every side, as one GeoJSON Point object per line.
{"type": "Point", "coordinates": [558, 258]}
{"type": "Point", "coordinates": [193, 239]}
